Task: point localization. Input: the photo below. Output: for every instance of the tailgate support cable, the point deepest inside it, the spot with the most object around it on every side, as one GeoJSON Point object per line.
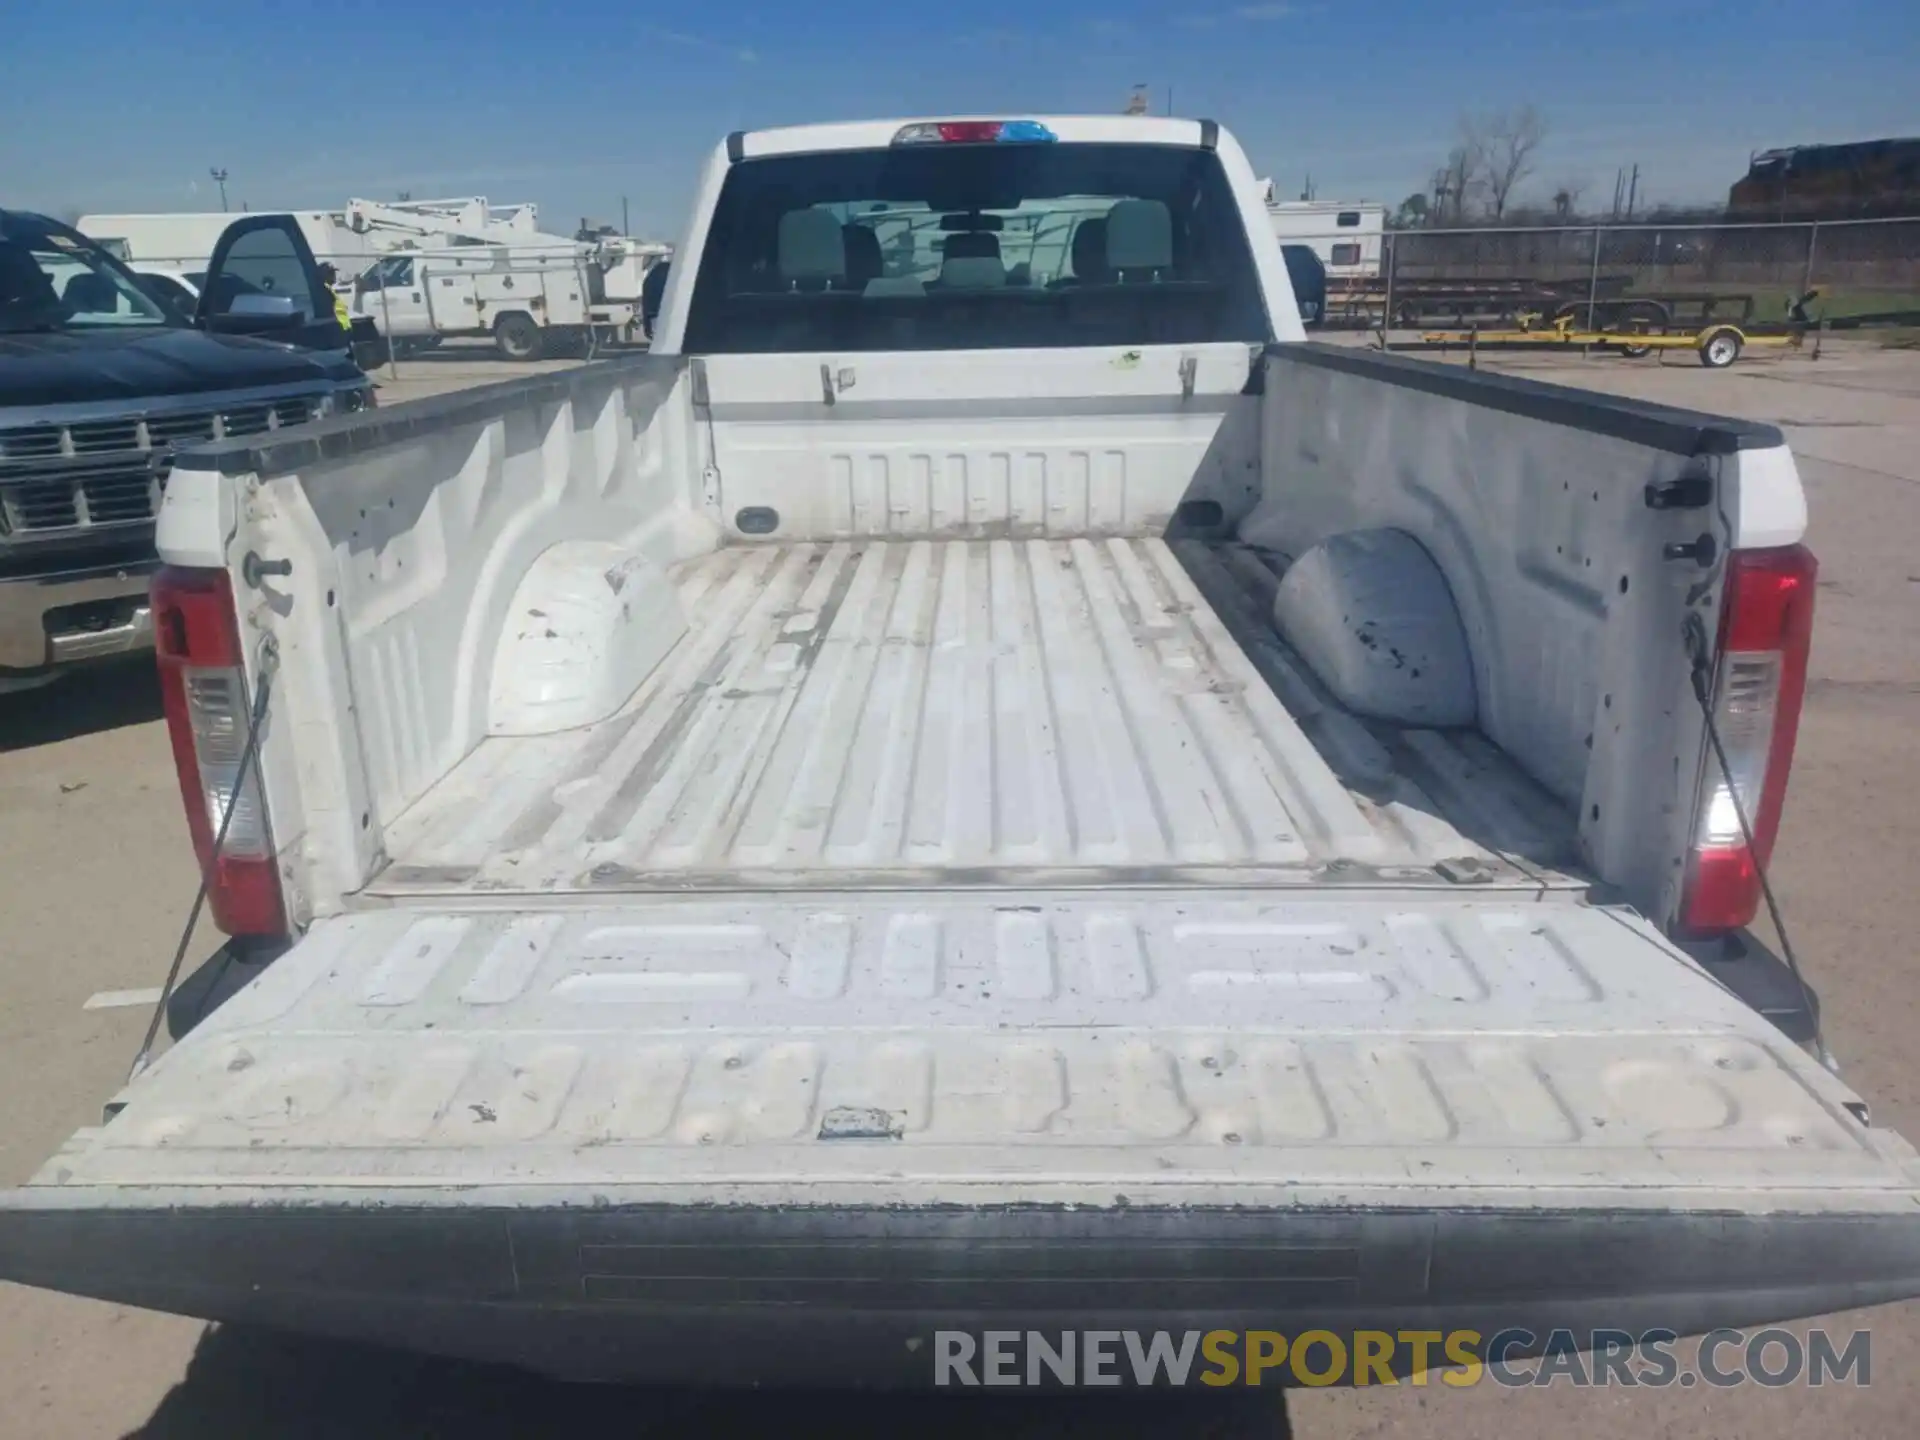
{"type": "Point", "coordinates": [256, 713]}
{"type": "Point", "coordinates": [1699, 654]}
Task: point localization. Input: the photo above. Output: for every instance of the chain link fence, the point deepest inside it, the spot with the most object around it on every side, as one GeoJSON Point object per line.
{"type": "Point", "coordinates": [1678, 275]}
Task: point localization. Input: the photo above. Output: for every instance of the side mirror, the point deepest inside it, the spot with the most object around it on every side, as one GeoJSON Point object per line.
{"type": "Point", "coordinates": [1308, 274]}
{"type": "Point", "coordinates": [253, 306]}
{"type": "Point", "coordinates": [252, 313]}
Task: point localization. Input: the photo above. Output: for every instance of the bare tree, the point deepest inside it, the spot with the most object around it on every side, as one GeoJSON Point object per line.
{"type": "Point", "coordinates": [1506, 142]}
{"type": "Point", "coordinates": [1566, 198]}
{"type": "Point", "coordinates": [1454, 181]}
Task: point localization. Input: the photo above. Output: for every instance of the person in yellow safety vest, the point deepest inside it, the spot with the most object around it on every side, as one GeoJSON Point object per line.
{"type": "Point", "coordinates": [328, 275]}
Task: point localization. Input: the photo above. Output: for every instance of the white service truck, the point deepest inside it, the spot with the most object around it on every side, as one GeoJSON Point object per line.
{"type": "Point", "coordinates": [928, 803]}
{"type": "Point", "coordinates": [529, 300]}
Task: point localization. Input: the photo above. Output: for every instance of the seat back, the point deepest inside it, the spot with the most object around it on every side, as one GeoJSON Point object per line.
{"type": "Point", "coordinates": [1140, 241]}
{"type": "Point", "coordinates": [812, 251]}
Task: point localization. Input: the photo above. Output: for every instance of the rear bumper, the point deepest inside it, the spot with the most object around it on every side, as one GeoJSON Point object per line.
{"type": "Point", "coordinates": [739, 1295]}
{"type": "Point", "coordinates": [90, 612]}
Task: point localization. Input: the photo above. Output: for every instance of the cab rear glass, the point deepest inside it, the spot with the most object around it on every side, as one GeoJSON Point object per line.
{"type": "Point", "coordinates": [975, 246]}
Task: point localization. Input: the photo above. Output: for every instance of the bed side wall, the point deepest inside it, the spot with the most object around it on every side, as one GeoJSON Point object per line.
{"type": "Point", "coordinates": [409, 544]}
{"type": "Point", "coordinates": [1534, 506]}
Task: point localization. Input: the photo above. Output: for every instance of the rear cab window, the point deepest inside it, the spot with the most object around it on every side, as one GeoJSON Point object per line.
{"type": "Point", "coordinates": [976, 246]}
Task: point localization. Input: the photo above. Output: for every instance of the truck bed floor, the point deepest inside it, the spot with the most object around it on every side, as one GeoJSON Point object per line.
{"type": "Point", "coordinates": [987, 712]}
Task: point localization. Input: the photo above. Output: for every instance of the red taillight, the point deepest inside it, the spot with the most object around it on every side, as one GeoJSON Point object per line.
{"type": "Point", "coordinates": [970, 132]}
{"type": "Point", "coordinates": [1766, 631]}
{"type": "Point", "coordinates": [973, 132]}
{"type": "Point", "coordinates": [203, 688]}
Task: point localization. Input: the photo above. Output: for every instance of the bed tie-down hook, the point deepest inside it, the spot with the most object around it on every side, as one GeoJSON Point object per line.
{"type": "Point", "coordinates": [833, 381]}
{"type": "Point", "coordinates": [254, 570]}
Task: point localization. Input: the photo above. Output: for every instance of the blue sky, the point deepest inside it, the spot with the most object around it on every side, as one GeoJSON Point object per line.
{"type": "Point", "coordinates": [114, 105]}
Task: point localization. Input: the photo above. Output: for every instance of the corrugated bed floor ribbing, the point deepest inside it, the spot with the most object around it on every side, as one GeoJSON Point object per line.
{"type": "Point", "coordinates": [970, 712]}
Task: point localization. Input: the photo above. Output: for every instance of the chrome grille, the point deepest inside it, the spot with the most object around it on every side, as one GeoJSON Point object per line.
{"type": "Point", "coordinates": [104, 436]}
{"type": "Point", "coordinates": [179, 429]}
{"type": "Point", "coordinates": [33, 442]}
{"type": "Point", "coordinates": [96, 473]}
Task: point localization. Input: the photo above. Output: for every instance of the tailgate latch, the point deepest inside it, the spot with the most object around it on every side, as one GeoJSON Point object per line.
{"type": "Point", "coordinates": [1683, 492]}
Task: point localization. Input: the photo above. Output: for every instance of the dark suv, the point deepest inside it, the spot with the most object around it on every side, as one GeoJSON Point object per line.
{"type": "Point", "coordinates": [100, 382]}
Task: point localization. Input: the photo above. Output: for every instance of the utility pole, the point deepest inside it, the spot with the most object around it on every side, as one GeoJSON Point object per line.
{"type": "Point", "coordinates": [625, 227]}
{"type": "Point", "coordinates": [220, 178]}
{"type": "Point", "coordinates": [1633, 189]}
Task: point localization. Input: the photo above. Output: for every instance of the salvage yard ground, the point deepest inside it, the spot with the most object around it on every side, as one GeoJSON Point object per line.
{"type": "Point", "coordinates": [96, 876]}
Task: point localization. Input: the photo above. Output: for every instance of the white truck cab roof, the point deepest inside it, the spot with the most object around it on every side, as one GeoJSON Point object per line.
{"type": "Point", "coordinates": [876, 134]}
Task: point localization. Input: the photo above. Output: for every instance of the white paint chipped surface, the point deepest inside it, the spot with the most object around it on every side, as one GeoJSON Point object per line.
{"type": "Point", "coordinates": [1197, 1039]}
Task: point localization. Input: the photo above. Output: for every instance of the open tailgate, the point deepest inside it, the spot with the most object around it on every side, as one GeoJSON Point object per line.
{"type": "Point", "coordinates": [727, 1139]}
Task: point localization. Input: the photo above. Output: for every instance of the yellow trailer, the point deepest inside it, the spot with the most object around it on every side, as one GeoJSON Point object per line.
{"type": "Point", "coordinates": [1718, 344]}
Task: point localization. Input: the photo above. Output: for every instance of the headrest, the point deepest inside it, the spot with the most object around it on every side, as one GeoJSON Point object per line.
{"type": "Point", "coordinates": [972, 245]}
{"type": "Point", "coordinates": [863, 254]}
{"type": "Point", "coordinates": [972, 272]}
{"type": "Point", "coordinates": [91, 295]}
{"type": "Point", "coordinates": [1090, 249]}
{"type": "Point", "coordinates": [812, 247]}
{"type": "Point", "coordinates": [17, 263]}
{"type": "Point", "coordinates": [23, 284]}
{"type": "Point", "coordinates": [1140, 236]}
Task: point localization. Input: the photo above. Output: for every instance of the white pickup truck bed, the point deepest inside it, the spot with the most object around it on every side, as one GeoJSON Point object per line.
{"type": "Point", "coordinates": [794, 847]}
{"type": "Point", "coordinates": [1055, 712]}
{"type": "Point", "coordinates": [1031, 967]}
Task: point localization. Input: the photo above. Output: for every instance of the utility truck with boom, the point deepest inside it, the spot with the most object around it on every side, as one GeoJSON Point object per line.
{"type": "Point", "coordinates": [940, 800]}
{"type": "Point", "coordinates": [529, 300]}
{"type": "Point", "coordinates": [464, 269]}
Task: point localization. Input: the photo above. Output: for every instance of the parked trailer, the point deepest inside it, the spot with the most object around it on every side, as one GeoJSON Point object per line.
{"type": "Point", "coordinates": [1598, 303]}
{"type": "Point", "coordinates": [1467, 300]}
{"type": "Point", "coordinates": [1718, 345]}
{"type": "Point", "coordinates": [1347, 235]}
{"type": "Point", "coordinates": [1693, 310]}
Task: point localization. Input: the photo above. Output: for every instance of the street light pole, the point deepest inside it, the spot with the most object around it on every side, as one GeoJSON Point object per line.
{"type": "Point", "coordinates": [220, 178]}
